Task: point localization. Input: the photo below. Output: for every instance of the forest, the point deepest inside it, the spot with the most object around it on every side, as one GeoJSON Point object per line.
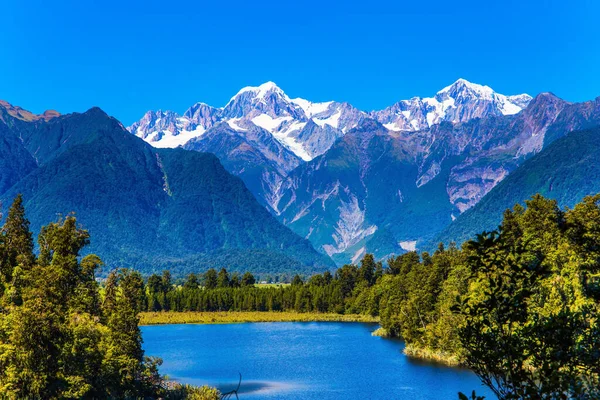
{"type": "Point", "coordinates": [518, 306]}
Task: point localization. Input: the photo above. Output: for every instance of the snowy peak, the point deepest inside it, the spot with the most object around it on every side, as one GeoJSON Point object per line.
{"type": "Point", "coordinates": [463, 91]}
{"type": "Point", "coordinates": [166, 129]}
{"type": "Point", "coordinates": [203, 115]}
{"type": "Point", "coordinates": [308, 129]}
{"type": "Point", "coordinates": [261, 91]}
{"type": "Point", "coordinates": [465, 88]}
{"type": "Point", "coordinates": [311, 109]}
{"type": "Point", "coordinates": [458, 102]}
{"type": "Point", "coordinates": [267, 99]}
{"type": "Point", "coordinates": [520, 100]}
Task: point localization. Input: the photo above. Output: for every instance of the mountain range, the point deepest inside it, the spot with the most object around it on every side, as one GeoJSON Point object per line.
{"type": "Point", "coordinates": [144, 207]}
{"type": "Point", "coordinates": [268, 134]}
{"type": "Point", "coordinates": [343, 181]}
{"type": "Point", "coordinates": [384, 181]}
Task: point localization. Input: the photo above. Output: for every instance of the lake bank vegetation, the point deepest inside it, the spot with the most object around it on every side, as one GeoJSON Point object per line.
{"type": "Point", "coordinates": [228, 317]}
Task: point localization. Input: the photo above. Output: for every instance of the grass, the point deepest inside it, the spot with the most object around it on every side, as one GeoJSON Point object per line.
{"type": "Point", "coordinates": [271, 285]}
{"type": "Point", "coordinates": [437, 356]}
{"type": "Point", "coordinates": [381, 332]}
{"type": "Point", "coordinates": [228, 317]}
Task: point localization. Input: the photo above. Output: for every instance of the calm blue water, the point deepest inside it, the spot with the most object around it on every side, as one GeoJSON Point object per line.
{"type": "Point", "coordinates": [314, 360]}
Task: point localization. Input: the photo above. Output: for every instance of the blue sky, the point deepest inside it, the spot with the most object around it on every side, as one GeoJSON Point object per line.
{"type": "Point", "coordinates": [130, 56]}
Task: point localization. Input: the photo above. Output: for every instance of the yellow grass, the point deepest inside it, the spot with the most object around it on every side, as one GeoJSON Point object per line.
{"type": "Point", "coordinates": [271, 285]}
{"type": "Point", "coordinates": [228, 317]}
{"type": "Point", "coordinates": [432, 355]}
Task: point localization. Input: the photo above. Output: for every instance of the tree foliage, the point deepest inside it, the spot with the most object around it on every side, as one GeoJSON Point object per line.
{"type": "Point", "coordinates": [58, 337]}
{"type": "Point", "coordinates": [531, 313]}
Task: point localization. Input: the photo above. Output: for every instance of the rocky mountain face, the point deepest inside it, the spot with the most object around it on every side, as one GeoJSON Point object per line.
{"type": "Point", "coordinates": [249, 152]}
{"type": "Point", "coordinates": [144, 207]}
{"type": "Point", "coordinates": [382, 191]}
{"type": "Point", "coordinates": [303, 129]}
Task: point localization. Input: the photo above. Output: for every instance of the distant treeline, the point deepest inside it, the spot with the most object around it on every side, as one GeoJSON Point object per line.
{"type": "Point", "coordinates": [221, 292]}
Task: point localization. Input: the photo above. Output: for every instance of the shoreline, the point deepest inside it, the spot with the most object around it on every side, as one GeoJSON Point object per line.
{"type": "Point", "coordinates": [231, 317]}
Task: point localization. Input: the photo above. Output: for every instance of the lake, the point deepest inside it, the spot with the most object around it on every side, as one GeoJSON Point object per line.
{"type": "Point", "coordinates": [304, 360]}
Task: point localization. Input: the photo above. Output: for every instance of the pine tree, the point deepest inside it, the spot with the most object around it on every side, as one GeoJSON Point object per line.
{"type": "Point", "coordinates": [16, 253]}
{"type": "Point", "coordinates": [109, 303]}
{"type": "Point", "coordinates": [223, 279]}
{"type": "Point", "coordinates": [17, 236]}
{"type": "Point", "coordinates": [248, 279]}
{"type": "Point", "coordinates": [210, 279]}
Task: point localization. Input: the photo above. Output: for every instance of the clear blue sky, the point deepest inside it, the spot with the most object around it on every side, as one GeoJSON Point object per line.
{"type": "Point", "coordinates": [130, 56]}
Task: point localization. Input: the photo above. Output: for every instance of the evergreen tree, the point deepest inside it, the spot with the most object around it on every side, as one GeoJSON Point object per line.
{"type": "Point", "coordinates": [297, 281]}
{"type": "Point", "coordinates": [167, 284]}
{"type": "Point", "coordinates": [110, 294]}
{"type": "Point", "coordinates": [223, 279]}
{"type": "Point", "coordinates": [328, 277]}
{"type": "Point", "coordinates": [210, 279]}
{"type": "Point", "coordinates": [17, 236]}
{"type": "Point", "coordinates": [366, 272]}
{"type": "Point", "coordinates": [191, 282]}
{"type": "Point", "coordinates": [16, 253]}
{"type": "Point", "coordinates": [235, 280]}
{"type": "Point", "coordinates": [248, 279]}
{"type": "Point", "coordinates": [155, 284]}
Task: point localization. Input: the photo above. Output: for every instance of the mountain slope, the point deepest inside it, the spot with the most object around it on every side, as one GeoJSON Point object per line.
{"type": "Point", "coordinates": [249, 152]}
{"type": "Point", "coordinates": [149, 208]}
{"type": "Point", "coordinates": [361, 196]}
{"type": "Point", "coordinates": [380, 191]}
{"type": "Point", "coordinates": [567, 170]}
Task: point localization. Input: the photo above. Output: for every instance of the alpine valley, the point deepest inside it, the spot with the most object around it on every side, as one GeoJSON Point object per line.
{"type": "Point", "coordinates": [383, 182]}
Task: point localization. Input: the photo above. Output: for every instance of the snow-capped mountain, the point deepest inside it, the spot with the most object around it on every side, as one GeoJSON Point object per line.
{"type": "Point", "coordinates": [382, 191]}
{"type": "Point", "coordinates": [309, 129]}
{"type": "Point", "coordinates": [305, 128]}
{"type": "Point", "coordinates": [459, 102]}
{"type": "Point", "coordinates": [262, 134]}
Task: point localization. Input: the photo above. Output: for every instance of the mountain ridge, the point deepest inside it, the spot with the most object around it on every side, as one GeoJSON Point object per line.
{"type": "Point", "coordinates": [270, 108]}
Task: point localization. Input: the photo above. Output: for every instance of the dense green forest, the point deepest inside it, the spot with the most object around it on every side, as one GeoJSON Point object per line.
{"type": "Point", "coordinates": [59, 339]}
{"type": "Point", "coordinates": [519, 306]}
